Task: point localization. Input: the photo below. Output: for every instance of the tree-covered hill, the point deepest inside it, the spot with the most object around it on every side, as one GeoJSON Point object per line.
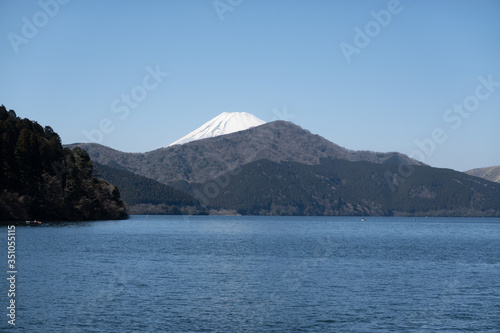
{"type": "Point", "coordinates": [39, 179]}
{"type": "Point", "coordinates": [202, 160]}
{"type": "Point", "coordinates": [340, 187]}
{"type": "Point", "coordinates": [281, 169]}
{"type": "Point", "coordinates": [146, 196]}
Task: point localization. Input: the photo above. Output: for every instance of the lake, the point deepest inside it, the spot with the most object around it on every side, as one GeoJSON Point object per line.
{"type": "Point", "coordinates": [257, 274]}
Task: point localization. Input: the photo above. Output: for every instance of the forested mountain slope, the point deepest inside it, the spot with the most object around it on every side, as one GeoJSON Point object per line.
{"type": "Point", "coordinates": [39, 179]}
{"type": "Point", "coordinates": [340, 187]}
{"type": "Point", "coordinates": [202, 160]}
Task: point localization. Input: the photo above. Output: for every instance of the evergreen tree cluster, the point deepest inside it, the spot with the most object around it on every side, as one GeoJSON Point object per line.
{"type": "Point", "coordinates": [39, 179]}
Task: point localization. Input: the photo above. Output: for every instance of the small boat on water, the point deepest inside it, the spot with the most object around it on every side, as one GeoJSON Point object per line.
{"type": "Point", "coordinates": [34, 222]}
{"type": "Point", "coordinates": [363, 219]}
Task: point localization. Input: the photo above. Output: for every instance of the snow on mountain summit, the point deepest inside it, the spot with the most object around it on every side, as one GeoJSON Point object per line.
{"type": "Point", "coordinates": [225, 123]}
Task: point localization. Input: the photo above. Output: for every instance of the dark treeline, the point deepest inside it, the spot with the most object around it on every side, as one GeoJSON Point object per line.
{"type": "Point", "coordinates": [39, 179]}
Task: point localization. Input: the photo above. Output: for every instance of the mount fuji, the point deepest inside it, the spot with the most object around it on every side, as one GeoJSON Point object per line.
{"type": "Point", "coordinates": [225, 123]}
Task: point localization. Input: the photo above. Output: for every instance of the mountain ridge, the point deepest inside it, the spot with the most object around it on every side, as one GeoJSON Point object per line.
{"type": "Point", "coordinates": [341, 187]}
{"type": "Point", "coordinates": [202, 160]}
{"type": "Point", "coordinates": [279, 168]}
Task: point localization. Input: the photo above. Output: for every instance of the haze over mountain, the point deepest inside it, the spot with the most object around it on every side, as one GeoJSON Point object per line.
{"type": "Point", "coordinates": [225, 123]}
{"type": "Point", "coordinates": [489, 173]}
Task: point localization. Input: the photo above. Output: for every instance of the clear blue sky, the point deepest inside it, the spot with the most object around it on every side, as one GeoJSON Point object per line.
{"type": "Point", "coordinates": [72, 70]}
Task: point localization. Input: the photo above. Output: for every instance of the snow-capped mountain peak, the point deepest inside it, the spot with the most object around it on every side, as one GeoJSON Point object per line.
{"type": "Point", "coordinates": [225, 123]}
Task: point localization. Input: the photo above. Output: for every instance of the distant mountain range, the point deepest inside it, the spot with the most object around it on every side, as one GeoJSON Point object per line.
{"type": "Point", "coordinates": [489, 173]}
{"type": "Point", "coordinates": [202, 160]}
{"type": "Point", "coordinates": [279, 168]}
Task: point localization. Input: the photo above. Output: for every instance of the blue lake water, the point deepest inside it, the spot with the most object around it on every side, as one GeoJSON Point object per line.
{"type": "Point", "coordinates": [257, 274]}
